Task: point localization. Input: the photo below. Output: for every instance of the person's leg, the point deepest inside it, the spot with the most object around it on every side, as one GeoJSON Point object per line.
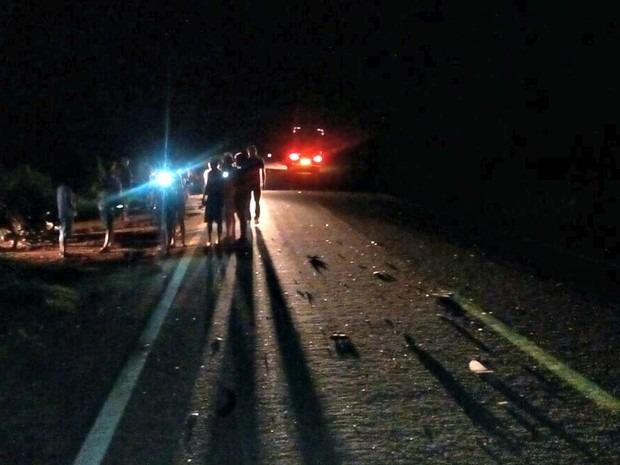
{"type": "Point", "coordinates": [219, 232]}
{"type": "Point", "coordinates": [209, 232]}
{"type": "Point", "coordinates": [257, 194]}
{"type": "Point", "coordinates": [61, 239]}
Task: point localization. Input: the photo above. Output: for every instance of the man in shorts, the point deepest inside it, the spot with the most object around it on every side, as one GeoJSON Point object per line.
{"type": "Point", "coordinates": [65, 200]}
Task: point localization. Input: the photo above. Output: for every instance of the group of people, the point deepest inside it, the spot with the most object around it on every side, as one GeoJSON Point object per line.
{"type": "Point", "coordinates": [230, 184]}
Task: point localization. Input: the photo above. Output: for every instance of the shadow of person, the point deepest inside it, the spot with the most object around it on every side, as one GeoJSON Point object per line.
{"type": "Point", "coordinates": [534, 412]}
{"type": "Point", "coordinates": [477, 413]}
{"type": "Point", "coordinates": [234, 424]}
{"type": "Point", "coordinates": [317, 445]}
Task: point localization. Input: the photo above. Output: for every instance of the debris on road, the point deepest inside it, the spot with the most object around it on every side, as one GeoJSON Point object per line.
{"type": "Point", "coordinates": [446, 300]}
{"type": "Point", "coordinates": [317, 263]}
{"type": "Point", "coordinates": [189, 425]}
{"type": "Point", "coordinates": [478, 368]}
{"type": "Point", "coordinates": [215, 345]}
{"type": "Point", "coordinates": [383, 276]}
{"type": "Point", "coordinates": [344, 345]}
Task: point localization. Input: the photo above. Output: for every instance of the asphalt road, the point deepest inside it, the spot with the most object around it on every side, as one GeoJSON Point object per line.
{"type": "Point", "coordinates": [245, 370]}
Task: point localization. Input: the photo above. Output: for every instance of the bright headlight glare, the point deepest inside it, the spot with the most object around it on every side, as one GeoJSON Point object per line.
{"type": "Point", "coordinates": [163, 178]}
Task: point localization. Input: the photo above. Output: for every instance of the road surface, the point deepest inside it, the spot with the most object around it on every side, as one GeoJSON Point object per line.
{"type": "Point", "coordinates": [245, 369]}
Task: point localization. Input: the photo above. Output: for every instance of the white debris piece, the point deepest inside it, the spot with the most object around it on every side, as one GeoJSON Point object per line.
{"type": "Point", "coordinates": [478, 368]}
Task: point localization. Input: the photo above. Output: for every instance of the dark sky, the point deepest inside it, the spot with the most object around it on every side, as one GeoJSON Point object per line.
{"type": "Point", "coordinates": [82, 79]}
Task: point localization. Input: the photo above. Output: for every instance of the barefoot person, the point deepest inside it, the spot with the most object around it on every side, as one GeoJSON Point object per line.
{"type": "Point", "coordinates": [214, 203]}
{"type": "Point", "coordinates": [65, 200]}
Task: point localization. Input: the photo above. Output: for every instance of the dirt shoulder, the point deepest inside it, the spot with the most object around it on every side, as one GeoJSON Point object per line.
{"type": "Point", "coordinates": [66, 327]}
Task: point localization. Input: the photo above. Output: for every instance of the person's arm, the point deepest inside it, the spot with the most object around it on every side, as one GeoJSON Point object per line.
{"type": "Point", "coordinates": [205, 192]}
{"type": "Point", "coordinates": [263, 173]}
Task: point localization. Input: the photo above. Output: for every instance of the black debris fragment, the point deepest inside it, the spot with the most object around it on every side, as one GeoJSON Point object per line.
{"type": "Point", "coordinates": [344, 345]}
{"type": "Point", "coordinates": [189, 426]}
{"type": "Point", "coordinates": [317, 263]}
{"type": "Point", "coordinates": [446, 300]}
{"type": "Point", "coordinates": [383, 276]}
{"type": "Point", "coordinates": [216, 344]}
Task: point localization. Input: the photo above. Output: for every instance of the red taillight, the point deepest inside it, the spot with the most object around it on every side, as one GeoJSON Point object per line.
{"type": "Point", "coordinates": [317, 158]}
{"type": "Point", "coordinates": [294, 156]}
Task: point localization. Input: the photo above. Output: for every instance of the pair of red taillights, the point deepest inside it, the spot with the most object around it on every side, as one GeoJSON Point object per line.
{"type": "Point", "coordinates": [304, 160]}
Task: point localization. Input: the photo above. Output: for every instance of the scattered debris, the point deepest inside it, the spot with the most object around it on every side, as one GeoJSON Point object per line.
{"type": "Point", "coordinates": [383, 276]}
{"type": "Point", "coordinates": [306, 295]}
{"type": "Point", "coordinates": [189, 425]}
{"type": "Point", "coordinates": [446, 300]}
{"type": "Point", "coordinates": [215, 345]}
{"type": "Point", "coordinates": [389, 322]}
{"type": "Point", "coordinates": [478, 368]}
{"type": "Point", "coordinates": [344, 345]}
{"type": "Point", "coordinates": [317, 263]}
{"type": "Point", "coordinates": [392, 266]}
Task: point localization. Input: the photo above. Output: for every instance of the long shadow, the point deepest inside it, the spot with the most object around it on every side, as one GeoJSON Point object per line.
{"type": "Point", "coordinates": [538, 415]}
{"type": "Point", "coordinates": [477, 413]}
{"type": "Point", "coordinates": [234, 426]}
{"type": "Point", "coordinates": [156, 416]}
{"type": "Point", "coordinates": [466, 334]}
{"type": "Point", "coordinates": [314, 438]}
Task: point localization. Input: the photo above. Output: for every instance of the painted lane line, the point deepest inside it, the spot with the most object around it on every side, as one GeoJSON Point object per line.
{"type": "Point", "coordinates": [95, 446]}
{"type": "Point", "coordinates": [577, 381]}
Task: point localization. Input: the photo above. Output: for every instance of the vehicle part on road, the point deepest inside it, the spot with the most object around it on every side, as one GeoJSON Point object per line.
{"type": "Point", "coordinates": [317, 263]}
{"type": "Point", "coordinates": [478, 368]}
{"type": "Point", "coordinates": [215, 345]}
{"type": "Point", "coordinates": [383, 276]}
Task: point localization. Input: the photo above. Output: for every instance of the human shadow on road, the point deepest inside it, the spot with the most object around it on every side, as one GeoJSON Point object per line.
{"type": "Point", "coordinates": [317, 445]}
{"type": "Point", "coordinates": [234, 425]}
{"type": "Point", "coordinates": [534, 412]}
{"type": "Point", "coordinates": [477, 413]}
{"type": "Point", "coordinates": [157, 414]}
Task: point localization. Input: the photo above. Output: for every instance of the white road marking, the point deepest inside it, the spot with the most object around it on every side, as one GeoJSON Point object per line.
{"type": "Point", "coordinates": [96, 445]}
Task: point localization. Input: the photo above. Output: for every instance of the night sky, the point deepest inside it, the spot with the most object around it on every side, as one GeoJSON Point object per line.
{"type": "Point", "coordinates": [469, 87]}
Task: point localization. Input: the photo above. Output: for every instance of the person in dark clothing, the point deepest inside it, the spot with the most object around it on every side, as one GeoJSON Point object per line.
{"type": "Point", "coordinates": [256, 177]}
{"type": "Point", "coordinates": [228, 173]}
{"type": "Point", "coordinates": [243, 192]}
{"type": "Point", "coordinates": [214, 203]}
{"type": "Point", "coordinates": [109, 195]}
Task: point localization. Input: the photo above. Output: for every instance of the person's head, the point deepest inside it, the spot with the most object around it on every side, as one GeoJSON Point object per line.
{"type": "Point", "coordinates": [251, 150]}
{"type": "Point", "coordinates": [241, 157]}
{"type": "Point", "coordinates": [214, 163]}
{"type": "Point", "coordinates": [227, 159]}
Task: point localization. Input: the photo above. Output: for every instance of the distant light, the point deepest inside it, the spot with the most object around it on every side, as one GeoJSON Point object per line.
{"type": "Point", "coordinates": [268, 155]}
{"type": "Point", "coordinates": [225, 174]}
{"type": "Point", "coordinates": [120, 205]}
{"type": "Point", "coordinates": [294, 156]}
{"type": "Point", "coordinates": [163, 178]}
{"type": "Point", "coordinates": [305, 162]}
{"type": "Point", "coordinates": [317, 158]}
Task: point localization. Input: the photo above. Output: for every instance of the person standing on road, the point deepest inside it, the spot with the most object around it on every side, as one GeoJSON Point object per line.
{"type": "Point", "coordinates": [109, 196]}
{"type": "Point", "coordinates": [256, 177]}
{"type": "Point", "coordinates": [65, 200]}
{"type": "Point", "coordinates": [228, 175]}
{"type": "Point", "coordinates": [243, 193]}
{"type": "Point", "coordinates": [214, 203]}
